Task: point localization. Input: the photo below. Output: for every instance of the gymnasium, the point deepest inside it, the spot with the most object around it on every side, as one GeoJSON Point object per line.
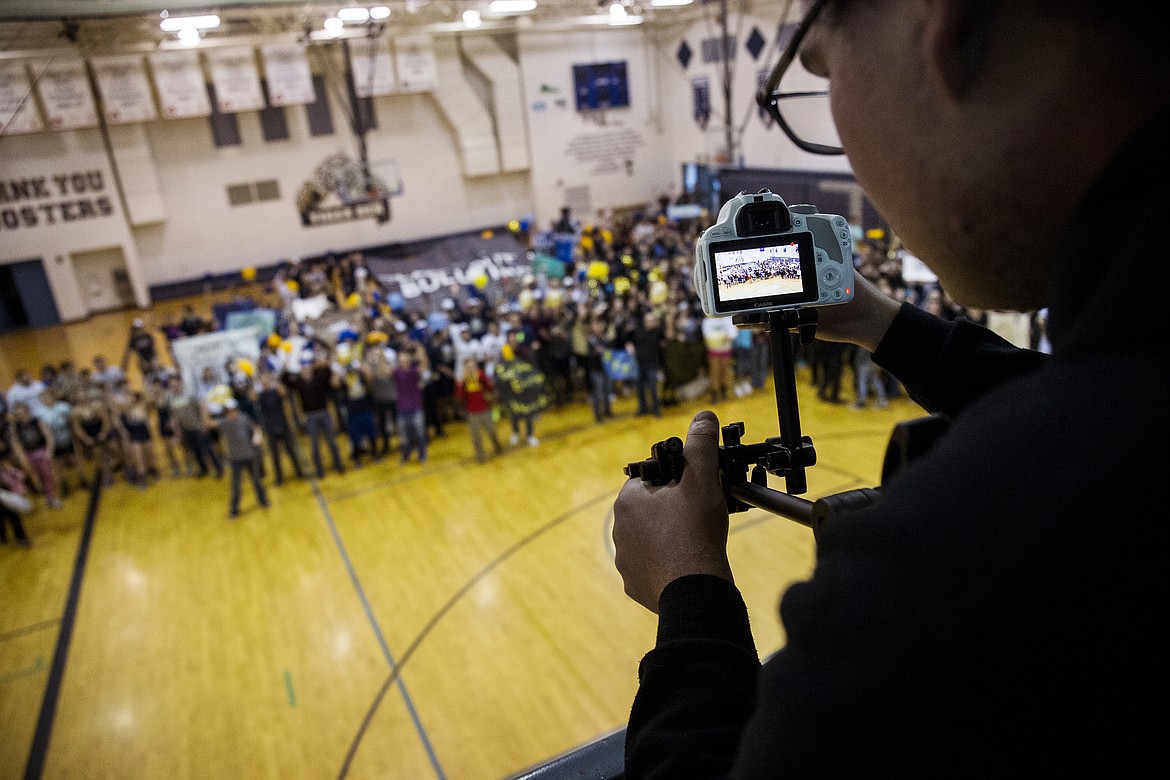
{"type": "Point", "coordinates": [202, 195]}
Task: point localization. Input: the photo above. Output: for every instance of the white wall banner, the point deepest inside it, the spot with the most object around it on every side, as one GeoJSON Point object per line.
{"type": "Point", "coordinates": [63, 86]}
{"type": "Point", "coordinates": [125, 89]}
{"type": "Point", "coordinates": [178, 77]}
{"type": "Point", "coordinates": [214, 350]}
{"type": "Point", "coordinates": [237, 83]}
{"type": "Point", "coordinates": [373, 67]}
{"type": "Point", "coordinates": [18, 108]}
{"type": "Point", "coordinates": [417, 69]}
{"type": "Point", "coordinates": [290, 82]}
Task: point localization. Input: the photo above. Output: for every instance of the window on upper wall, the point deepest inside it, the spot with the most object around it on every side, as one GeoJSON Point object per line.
{"type": "Point", "coordinates": [225, 128]}
{"type": "Point", "coordinates": [318, 113]}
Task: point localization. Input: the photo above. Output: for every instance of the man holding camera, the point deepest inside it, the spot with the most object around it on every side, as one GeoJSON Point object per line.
{"type": "Point", "coordinates": [1000, 608]}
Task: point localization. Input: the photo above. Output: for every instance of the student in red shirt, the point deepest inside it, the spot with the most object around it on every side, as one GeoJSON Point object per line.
{"type": "Point", "coordinates": [475, 392]}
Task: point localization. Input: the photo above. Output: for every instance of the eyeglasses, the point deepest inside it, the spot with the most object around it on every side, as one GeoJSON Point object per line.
{"type": "Point", "coordinates": [809, 116]}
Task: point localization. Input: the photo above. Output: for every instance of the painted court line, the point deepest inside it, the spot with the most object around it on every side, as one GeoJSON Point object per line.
{"type": "Point", "coordinates": [495, 563]}
{"type": "Point", "coordinates": [40, 744]}
{"type": "Point", "coordinates": [357, 584]}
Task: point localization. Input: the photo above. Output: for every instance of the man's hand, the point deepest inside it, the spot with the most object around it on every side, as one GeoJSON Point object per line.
{"type": "Point", "coordinates": [663, 533]}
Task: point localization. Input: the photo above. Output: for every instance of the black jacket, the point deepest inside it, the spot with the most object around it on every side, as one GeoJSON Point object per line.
{"type": "Point", "coordinates": [1001, 610]}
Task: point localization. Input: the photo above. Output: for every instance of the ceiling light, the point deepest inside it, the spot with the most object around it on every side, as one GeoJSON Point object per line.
{"type": "Point", "coordinates": [333, 24]}
{"type": "Point", "coordinates": [511, 6]}
{"type": "Point", "coordinates": [471, 18]}
{"type": "Point", "coordinates": [175, 23]}
{"type": "Point", "coordinates": [379, 12]}
{"type": "Point", "coordinates": [189, 36]}
{"type": "Point", "coordinates": [353, 14]}
{"type": "Point", "coordinates": [670, 3]}
{"type": "Point", "coordinates": [617, 10]}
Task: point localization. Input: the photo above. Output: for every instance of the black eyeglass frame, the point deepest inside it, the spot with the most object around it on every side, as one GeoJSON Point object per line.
{"type": "Point", "coordinates": [768, 97]}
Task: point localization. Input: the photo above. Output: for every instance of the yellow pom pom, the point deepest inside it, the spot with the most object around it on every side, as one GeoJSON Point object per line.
{"type": "Point", "coordinates": [293, 285]}
{"type": "Point", "coordinates": [481, 281]}
{"type": "Point", "coordinates": [514, 226]}
{"type": "Point", "coordinates": [598, 270]}
{"type": "Point", "coordinates": [586, 242]}
{"type": "Point", "coordinates": [246, 366]}
{"type": "Point", "coordinates": [507, 352]}
{"type": "Point", "coordinates": [353, 300]}
{"type": "Point", "coordinates": [274, 341]}
{"type": "Point", "coordinates": [628, 261]}
{"type": "Point", "coordinates": [249, 274]}
{"type": "Point", "coordinates": [658, 292]}
{"type": "Point", "coordinates": [621, 285]}
{"type": "Point", "coordinates": [286, 346]}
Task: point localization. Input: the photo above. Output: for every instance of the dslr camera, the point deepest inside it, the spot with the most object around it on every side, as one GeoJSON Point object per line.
{"type": "Point", "coordinates": [763, 255]}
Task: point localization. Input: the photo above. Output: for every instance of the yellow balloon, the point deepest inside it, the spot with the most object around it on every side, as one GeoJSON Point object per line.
{"type": "Point", "coordinates": [249, 274]}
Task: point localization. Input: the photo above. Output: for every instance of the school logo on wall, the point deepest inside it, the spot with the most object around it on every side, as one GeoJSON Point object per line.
{"type": "Point", "coordinates": [341, 190]}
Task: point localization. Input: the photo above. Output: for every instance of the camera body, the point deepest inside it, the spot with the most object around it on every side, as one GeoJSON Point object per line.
{"type": "Point", "coordinates": [763, 255]}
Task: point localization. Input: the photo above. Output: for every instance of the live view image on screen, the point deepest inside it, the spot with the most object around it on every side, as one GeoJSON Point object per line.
{"type": "Point", "coordinates": [758, 272]}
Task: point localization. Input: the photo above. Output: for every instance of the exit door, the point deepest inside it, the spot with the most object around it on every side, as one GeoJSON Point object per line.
{"type": "Point", "coordinates": [26, 298]}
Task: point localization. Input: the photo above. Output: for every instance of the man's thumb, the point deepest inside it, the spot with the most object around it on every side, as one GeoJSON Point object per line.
{"type": "Point", "coordinates": [701, 450]}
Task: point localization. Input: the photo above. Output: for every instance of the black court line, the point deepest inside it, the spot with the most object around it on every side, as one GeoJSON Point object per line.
{"type": "Point", "coordinates": [40, 744]}
{"type": "Point", "coordinates": [442, 612]}
{"type": "Point", "coordinates": [32, 628]}
{"type": "Point", "coordinates": [395, 666]}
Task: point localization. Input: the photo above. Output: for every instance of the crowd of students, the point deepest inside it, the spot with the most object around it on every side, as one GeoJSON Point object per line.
{"type": "Point", "coordinates": [392, 374]}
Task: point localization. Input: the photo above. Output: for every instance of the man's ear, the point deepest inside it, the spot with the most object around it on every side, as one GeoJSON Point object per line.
{"type": "Point", "coordinates": [955, 37]}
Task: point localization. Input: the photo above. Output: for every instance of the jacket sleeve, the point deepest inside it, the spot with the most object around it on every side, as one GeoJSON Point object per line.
{"type": "Point", "coordinates": [697, 687]}
{"type": "Point", "coordinates": [946, 365]}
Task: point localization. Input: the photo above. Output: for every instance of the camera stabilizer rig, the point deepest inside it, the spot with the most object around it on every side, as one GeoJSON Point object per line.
{"type": "Point", "coordinates": [790, 453]}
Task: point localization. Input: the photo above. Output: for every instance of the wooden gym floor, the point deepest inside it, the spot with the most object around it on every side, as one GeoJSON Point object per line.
{"type": "Point", "coordinates": [452, 620]}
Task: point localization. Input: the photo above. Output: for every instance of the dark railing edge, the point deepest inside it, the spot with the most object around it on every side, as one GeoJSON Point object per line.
{"type": "Point", "coordinates": [601, 759]}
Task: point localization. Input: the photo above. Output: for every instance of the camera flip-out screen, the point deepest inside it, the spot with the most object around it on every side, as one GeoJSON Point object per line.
{"type": "Point", "coordinates": [764, 272]}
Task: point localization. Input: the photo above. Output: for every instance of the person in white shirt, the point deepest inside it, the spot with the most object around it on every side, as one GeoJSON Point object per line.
{"type": "Point", "coordinates": [719, 335]}
{"type": "Point", "coordinates": [25, 390]}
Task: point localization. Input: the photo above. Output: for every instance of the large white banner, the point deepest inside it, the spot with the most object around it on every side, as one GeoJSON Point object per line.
{"type": "Point", "coordinates": [373, 67]}
{"type": "Point", "coordinates": [417, 69]}
{"type": "Point", "coordinates": [237, 83]}
{"type": "Point", "coordinates": [178, 77]}
{"type": "Point", "coordinates": [290, 82]}
{"type": "Point", "coordinates": [125, 89]}
{"type": "Point", "coordinates": [18, 107]}
{"type": "Point", "coordinates": [63, 86]}
{"type": "Point", "coordinates": [213, 350]}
